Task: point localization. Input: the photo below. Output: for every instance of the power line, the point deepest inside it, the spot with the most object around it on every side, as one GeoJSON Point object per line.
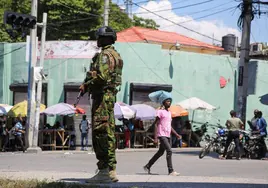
{"type": "Point", "coordinates": [68, 21]}
{"type": "Point", "coordinates": [201, 11]}
{"type": "Point", "coordinates": [177, 24]}
{"type": "Point", "coordinates": [208, 9]}
{"type": "Point", "coordinates": [140, 2]}
{"type": "Point", "coordinates": [68, 32]}
{"type": "Point", "coordinates": [4, 54]}
{"type": "Point", "coordinates": [64, 61]}
{"type": "Point", "coordinates": [230, 8]}
{"type": "Point", "coordinates": [151, 68]}
{"type": "Point", "coordinates": [186, 6]}
{"type": "Point", "coordinates": [192, 13]}
{"type": "Point", "coordinates": [175, 3]}
{"type": "Point", "coordinates": [91, 14]}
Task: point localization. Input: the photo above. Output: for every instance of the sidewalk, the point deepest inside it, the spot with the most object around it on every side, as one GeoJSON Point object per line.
{"type": "Point", "coordinates": [144, 180]}
{"type": "Point", "coordinates": [120, 150]}
{"type": "Point", "coordinates": [77, 166]}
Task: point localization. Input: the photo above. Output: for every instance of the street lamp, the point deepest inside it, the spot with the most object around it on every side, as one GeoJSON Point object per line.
{"type": "Point", "coordinates": [177, 45]}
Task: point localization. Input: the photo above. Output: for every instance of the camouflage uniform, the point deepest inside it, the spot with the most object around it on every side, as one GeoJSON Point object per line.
{"type": "Point", "coordinates": [102, 81]}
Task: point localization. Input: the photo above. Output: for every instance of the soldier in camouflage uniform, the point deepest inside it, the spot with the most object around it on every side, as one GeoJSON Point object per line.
{"type": "Point", "coordinates": [101, 82]}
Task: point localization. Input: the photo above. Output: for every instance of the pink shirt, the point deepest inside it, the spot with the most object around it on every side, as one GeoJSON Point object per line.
{"type": "Point", "coordinates": [164, 125]}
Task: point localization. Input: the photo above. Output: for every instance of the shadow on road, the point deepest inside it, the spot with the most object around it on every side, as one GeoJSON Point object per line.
{"type": "Point", "coordinates": [147, 174]}
{"type": "Point", "coordinates": [196, 153]}
{"type": "Point", "coordinates": [167, 184]}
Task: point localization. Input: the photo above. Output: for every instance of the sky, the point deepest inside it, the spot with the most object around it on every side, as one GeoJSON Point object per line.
{"type": "Point", "coordinates": [213, 18]}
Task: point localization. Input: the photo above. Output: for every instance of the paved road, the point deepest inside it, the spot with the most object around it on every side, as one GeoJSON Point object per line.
{"type": "Point", "coordinates": [207, 172]}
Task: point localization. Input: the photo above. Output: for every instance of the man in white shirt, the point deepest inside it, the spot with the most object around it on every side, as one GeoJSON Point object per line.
{"type": "Point", "coordinates": [84, 127]}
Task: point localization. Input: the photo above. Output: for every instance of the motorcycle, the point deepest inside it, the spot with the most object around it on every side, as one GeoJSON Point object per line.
{"type": "Point", "coordinates": [198, 134]}
{"type": "Point", "coordinates": [217, 143]}
{"type": "Point", "coordinates": [254, 145]}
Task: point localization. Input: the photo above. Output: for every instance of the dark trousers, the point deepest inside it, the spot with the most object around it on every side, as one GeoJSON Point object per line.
{"type": "Point", "coordinates": [84, 136]}
{"type": "Point", "coordinates": [263, 147]}
{"type": "Point", "coordinates": [232, 135]}
{"type": "Point", "coordinates": [5, 142]}
{"type": "Point", "coordinates": [18, 140]}
{"type": "Point", "coordinates": [164, 146]}
{"type": "Point", "coordinates": [132, 138]}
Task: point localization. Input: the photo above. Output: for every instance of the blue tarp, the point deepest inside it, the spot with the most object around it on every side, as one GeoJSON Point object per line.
{"type": "Point", "coordinates": [160, 96]}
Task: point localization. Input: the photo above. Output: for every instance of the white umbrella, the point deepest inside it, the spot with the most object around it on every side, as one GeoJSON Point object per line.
{"type": "Point", "coordinates": [122, 110]}
{"type": "Point", "coordinates": [62, 109]}
{"type": "Point", "coordinates": [195, 104]}
{"type": "Point", "coordinates": [144, 112]}
{"type": "Point", "coordinates": [4, 108]}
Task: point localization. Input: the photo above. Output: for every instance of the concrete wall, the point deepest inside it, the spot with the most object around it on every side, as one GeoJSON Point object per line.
{"type": "Point", "coordinates": [190, 74]}
{"type": "Point", "coordinates": [1, 70]}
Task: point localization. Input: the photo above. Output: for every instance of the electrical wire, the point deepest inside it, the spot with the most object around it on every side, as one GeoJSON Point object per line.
{"type": "Point", "coordinates": [230, 8]}
{"type": "Point", "coordinates": [95, 15]}
{"type": "Point", "coordinates": [152, 69]}
{"type": "Point", "coordinates": [183, 1]}
{"type": "Point", "coordinates": [207, 9]}
{"type": "Point", "coordinates": [201, 11]}
{"type": "Point", "coordinates": [178, 24]}
{"type": "Point", "coordinates": [4, 54]}
{"type": "Point", "coordinates": [69, 21]}
{"type": "Point", "coordinates": [198, 18]}
{"type": "Point", "coordinates": [82, 19]}
{"type": "Point", "coordinates": [64, 61]}
{"type": "Point", "coordinates": [176, 8]}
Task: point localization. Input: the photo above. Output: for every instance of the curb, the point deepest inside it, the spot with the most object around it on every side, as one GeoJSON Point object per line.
{"type": "Point", "coordinates": [120, 151]}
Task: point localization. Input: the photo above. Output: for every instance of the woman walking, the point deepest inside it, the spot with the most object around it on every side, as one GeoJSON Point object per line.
{"type": "Point", "coordinates": [163, 130]}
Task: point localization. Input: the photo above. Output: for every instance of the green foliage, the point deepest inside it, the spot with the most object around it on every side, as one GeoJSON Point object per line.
{"type": "Point", "coordinates": [147, 23]}
{"type": "Point", "coordinates": [117, 19]}
{"type": "Point", "coordinates": [4, 5]}
{"type": "Point", "coordinates": [72, 19]}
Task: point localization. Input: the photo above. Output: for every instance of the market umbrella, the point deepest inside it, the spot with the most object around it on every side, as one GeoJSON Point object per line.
{"type": "Point", "coordinates": [79, 110]}
{"type": "Point", "coordinates": [4, 109]}
{"type": "Point", "coordinates": [20, 109]}
{"type": "Point", "coordinates": [61, 109]}
{"type": "Point", "coordinates": [144, 112]}
{"type": "Point", "coordinates": [177, 111]}
{"type": "Point", "coordinates": [123, 111]}
{"type": "Point", "coordinates": [195, 103]}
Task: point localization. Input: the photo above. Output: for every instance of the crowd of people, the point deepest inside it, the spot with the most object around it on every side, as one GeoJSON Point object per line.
{"type": "Point", "coordinates": [257, 124]}
{"type": "Point", "coordinates": [12, 138]}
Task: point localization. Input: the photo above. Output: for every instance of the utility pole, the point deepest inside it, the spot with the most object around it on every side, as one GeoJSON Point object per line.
{"type": "Point", "coordinates": [242, 91]}
{"type": "Point", "coordinates": [39, 84]}
{"type": "Point", "coordinates": [128, 4]}
{"type": "Point", "coordinates": [130, 10]}
{"type": "Point", "coordinates": [31, 84]}
{"type": "Point", "coordinates": [106, 13]}
{"type": "Point", "coordinates": [127, 8]}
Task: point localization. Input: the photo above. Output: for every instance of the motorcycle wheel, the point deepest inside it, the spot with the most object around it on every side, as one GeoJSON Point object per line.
{"type": "Point", "coordinates": [204, 151]}
{"type": "Point", "coordinates": [230, 151]}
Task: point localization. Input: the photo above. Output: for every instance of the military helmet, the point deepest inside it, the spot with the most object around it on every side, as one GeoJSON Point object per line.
{"type": "Point", "coordinates": [106, 31]}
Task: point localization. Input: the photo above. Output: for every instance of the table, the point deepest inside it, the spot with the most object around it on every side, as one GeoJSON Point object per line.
{"type": "Point", "coordinates": [53, 135]}
{"type": "Point", "coordinates": [119, 136]}
{"type": "Point", "coordinates": [141, 135]}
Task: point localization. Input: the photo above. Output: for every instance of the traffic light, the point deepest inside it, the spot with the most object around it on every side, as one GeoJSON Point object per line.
{"type": "Point", "coordinates": [17, 19]}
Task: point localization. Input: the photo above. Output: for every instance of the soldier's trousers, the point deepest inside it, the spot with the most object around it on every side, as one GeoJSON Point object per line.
{"type": "Point", "coordinates": [103, 130]}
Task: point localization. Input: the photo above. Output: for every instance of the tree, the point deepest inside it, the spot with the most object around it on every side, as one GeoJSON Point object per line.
{"type": "Point", "coordinates": [147, 23]}
{"type": "Point", "coordinates": [20, 6]}
{"type": "Point", "coordinates": [72, 19]}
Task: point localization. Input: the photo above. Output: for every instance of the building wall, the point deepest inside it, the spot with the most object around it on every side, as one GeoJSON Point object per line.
{"type": "Point", "coordinates": [1, 70]}
{"type": "Point", "coordinates": [190, 74]}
